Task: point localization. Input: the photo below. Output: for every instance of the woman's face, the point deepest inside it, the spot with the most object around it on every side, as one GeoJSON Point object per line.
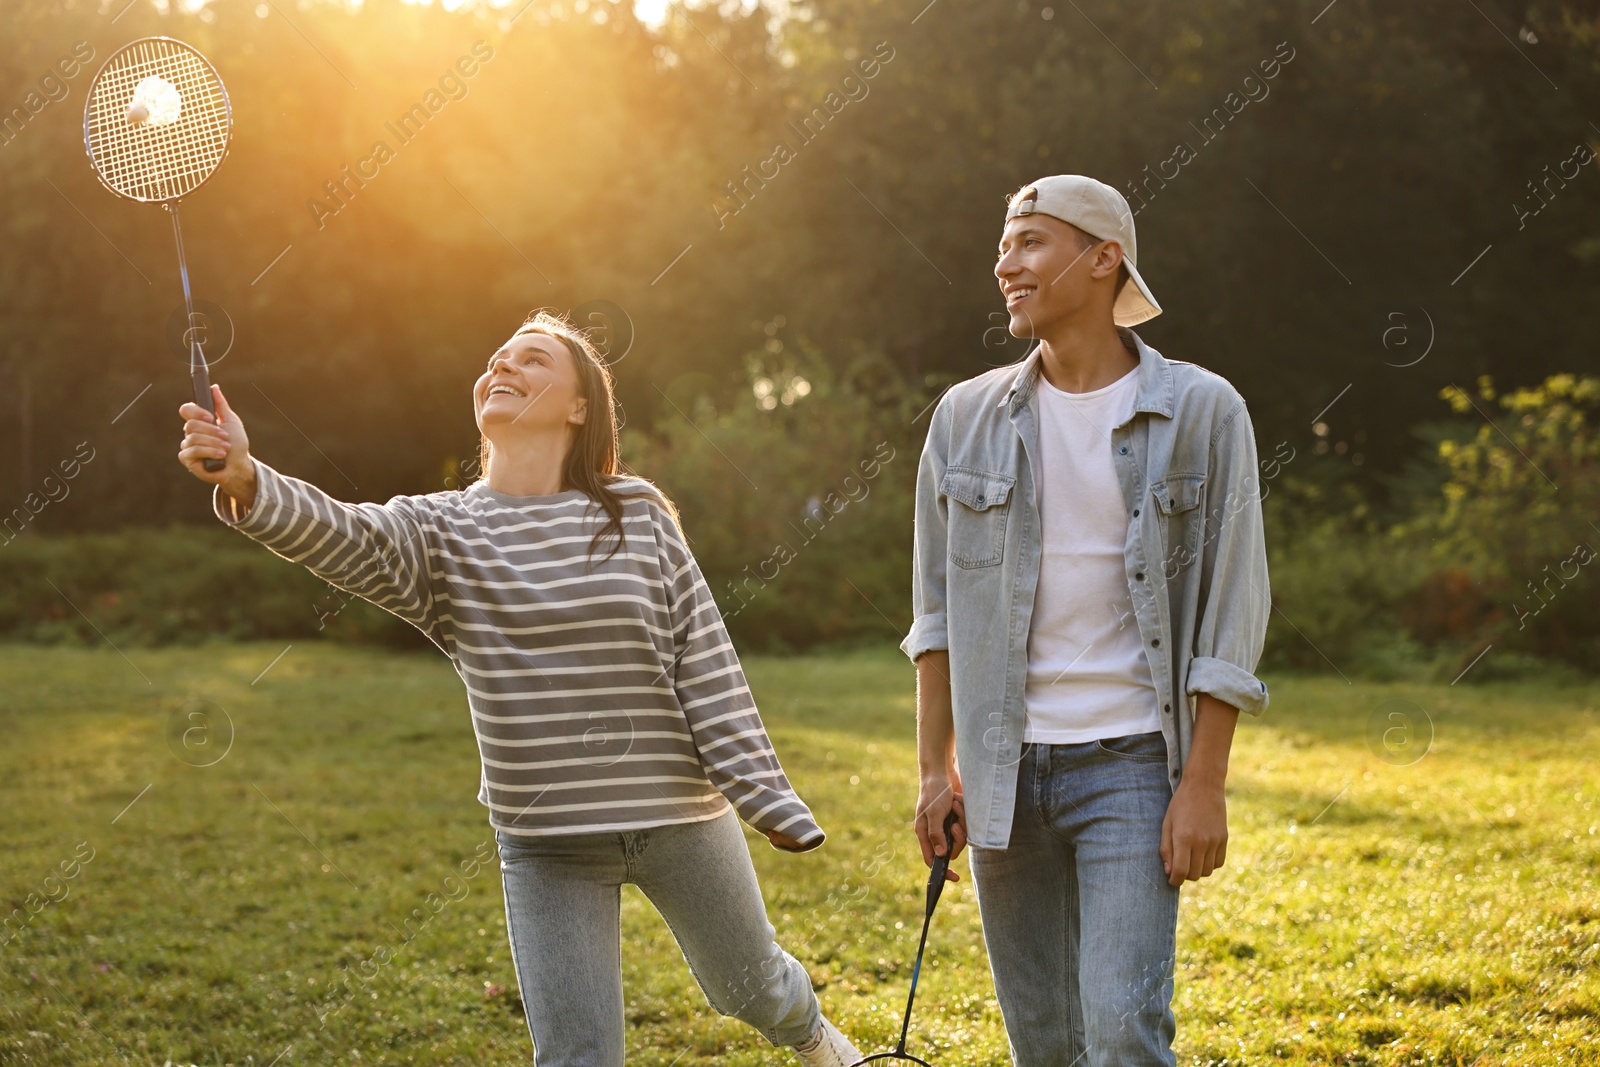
{"type": "Point", "coordinates": [531, 384]}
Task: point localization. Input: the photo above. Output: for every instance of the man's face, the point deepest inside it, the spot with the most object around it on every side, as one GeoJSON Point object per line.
{"type": "Point", "coordinates": [1045, 268]}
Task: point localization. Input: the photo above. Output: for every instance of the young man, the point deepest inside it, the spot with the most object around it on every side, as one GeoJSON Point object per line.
{"type": "Point", "coordinates": [1089, 555]}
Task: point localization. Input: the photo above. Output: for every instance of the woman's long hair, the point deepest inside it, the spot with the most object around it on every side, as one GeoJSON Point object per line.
{"type": "Point", "coordinates": [592, 464]}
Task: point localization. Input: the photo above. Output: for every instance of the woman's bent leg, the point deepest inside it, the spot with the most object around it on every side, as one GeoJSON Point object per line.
{"type": "Point", "coordinates": [563, 917]}
{"type": "Point", "coordinates": [700, 878]}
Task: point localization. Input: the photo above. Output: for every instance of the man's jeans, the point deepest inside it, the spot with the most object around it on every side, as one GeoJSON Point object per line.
{"type": "Point", "coordinates": [1078, 917]}
{"type": "Point", "coordinates": [563, 899]}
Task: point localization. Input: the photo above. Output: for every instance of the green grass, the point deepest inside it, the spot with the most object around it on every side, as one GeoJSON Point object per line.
{"type": "Point", "coordinates": [1440, 912]}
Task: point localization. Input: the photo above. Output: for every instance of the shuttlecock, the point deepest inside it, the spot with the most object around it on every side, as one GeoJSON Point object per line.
{"type": "Point", "coordinates": [156, 102]}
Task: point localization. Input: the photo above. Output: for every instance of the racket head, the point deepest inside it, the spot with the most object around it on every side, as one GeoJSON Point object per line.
{"type": "Point", "coordinates": [186, 126]}
{"type": "Point", "coordinates": [903, 1057]}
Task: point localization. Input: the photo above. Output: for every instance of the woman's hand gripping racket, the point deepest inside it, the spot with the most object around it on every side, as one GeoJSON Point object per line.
{"type": "Point", "coordinates": [936, 880]}
{"type": "Point", "coordinates": [218, 439]}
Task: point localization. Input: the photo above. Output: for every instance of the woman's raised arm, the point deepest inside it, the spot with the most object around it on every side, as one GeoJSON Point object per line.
{"type": "Point", "coordinates": [374, 551]}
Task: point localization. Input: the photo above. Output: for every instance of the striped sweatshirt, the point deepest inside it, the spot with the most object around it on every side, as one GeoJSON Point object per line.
{"type": "Point", "coordinates": [605, 693]}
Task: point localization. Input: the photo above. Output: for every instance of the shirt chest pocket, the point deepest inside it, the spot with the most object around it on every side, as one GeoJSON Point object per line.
{"type": "Point", "coordinates": [979, 503]}
{"type": "Point", "coordinates": [1177, 500]}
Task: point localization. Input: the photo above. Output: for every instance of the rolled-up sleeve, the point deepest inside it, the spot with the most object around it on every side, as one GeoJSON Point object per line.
{"type": "Point", "coordinates": [929, 624]}
{"type": "Point", "coordinates": [1235, 597]}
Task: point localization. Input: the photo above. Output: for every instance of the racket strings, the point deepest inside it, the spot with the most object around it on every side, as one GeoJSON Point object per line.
{"type": "Point", "coordinates": [148, 162]}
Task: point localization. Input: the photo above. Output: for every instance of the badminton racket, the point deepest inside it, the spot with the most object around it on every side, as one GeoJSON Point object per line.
{"type": "Point", "coordinates": [156, 126]}
{"type": "Point", "coordinates": [936, 879]}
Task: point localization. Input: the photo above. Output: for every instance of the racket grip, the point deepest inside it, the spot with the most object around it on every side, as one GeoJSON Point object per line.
{"type": "Point", "coordinates": [941, 864]}
{"type": "Point", "coordinates": [202, 396]}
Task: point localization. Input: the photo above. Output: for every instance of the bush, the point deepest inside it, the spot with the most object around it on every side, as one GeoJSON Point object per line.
{"type": "Point", "coordinates": [1340, 585]}
{"type": "Point", "coordinates": [797, 493]}
{"type": "Point", "coordinates": [1492, 564]}
{"type": "Point", "coordinates": [1516, 519]}
{"type": "Point", "coordinates": [797, 497]}
{"type": "Point", "coordinates": [180, 585]}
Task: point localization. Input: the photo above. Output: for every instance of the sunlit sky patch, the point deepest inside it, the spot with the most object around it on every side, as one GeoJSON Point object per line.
{"type": "Point", "coordinates": [652, 13]}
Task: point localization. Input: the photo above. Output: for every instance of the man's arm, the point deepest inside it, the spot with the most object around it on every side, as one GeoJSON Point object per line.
{"type": "Point", "coordinates": [928, 646]}
{"type": "Point", "coordinates": [940, 782]}
{"type": "Point", "coordinates": [1194, 835]}
{"type": "Point", "coordinates": [1231, 630]}
{"type": "Point", "coordinates": [1235, 596]}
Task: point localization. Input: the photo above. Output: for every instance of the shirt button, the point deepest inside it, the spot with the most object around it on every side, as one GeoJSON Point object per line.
{"type": "Point", "coordinates": [1136, 513]}
{"type": "Point", "coordinates": [1123, 450]}
{"type": "Point", "coordinates": [980, 498]}
{"type": "Point", "coordinates": [1139, 576]}
{"type": "Point", "coordinates": [1156, 643]}
{"type": "Point", "coordinates": [1167, 708]}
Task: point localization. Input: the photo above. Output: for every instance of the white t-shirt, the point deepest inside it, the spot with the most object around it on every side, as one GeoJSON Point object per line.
{"type": "Point", "coordinates": [1088, 677]}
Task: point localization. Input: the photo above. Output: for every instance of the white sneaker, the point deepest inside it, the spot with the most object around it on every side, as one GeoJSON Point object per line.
{"type": "Point", "coordinates": [828, 1048]}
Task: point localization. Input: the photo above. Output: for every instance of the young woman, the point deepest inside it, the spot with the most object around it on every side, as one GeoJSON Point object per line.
{"type": "Point", "coordinates": [617, 734]}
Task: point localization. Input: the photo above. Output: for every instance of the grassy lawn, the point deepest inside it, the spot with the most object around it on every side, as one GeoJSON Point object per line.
{"type": "Point", "coordinates": [1376, 907]}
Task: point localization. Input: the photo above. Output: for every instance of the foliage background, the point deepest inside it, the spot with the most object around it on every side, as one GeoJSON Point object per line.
{"type": "Point", "coordinates": [1354, 251]}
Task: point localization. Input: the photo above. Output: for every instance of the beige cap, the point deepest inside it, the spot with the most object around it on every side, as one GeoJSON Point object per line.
{"type": "Point", "coordinates": [1102, 213]}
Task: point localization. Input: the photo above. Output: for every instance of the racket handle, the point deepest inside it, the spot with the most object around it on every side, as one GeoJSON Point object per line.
{"type": "Point", "coordinates": [941, 864]}
{"type": "Point", "coordinates": [202, 396]}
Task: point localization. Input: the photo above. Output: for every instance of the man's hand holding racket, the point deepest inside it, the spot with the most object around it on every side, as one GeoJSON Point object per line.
{"type": "Point", "coordinates": [937, 800]}
{"type": "Point", "coordinates": [222, 439]}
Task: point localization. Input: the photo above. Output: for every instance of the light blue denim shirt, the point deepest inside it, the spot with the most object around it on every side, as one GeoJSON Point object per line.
{"type": "Point", "coordinates": [1195, 558]}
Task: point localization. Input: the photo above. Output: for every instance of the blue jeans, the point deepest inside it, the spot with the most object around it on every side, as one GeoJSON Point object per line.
{"type": "Point", "coordinates": [563, 916]}
{"type": "Point", "coordinates": [1079, 920]}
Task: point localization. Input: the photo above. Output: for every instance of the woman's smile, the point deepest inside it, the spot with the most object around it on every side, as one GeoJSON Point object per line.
{"type": "Point", "coordinates": [527, 367]}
